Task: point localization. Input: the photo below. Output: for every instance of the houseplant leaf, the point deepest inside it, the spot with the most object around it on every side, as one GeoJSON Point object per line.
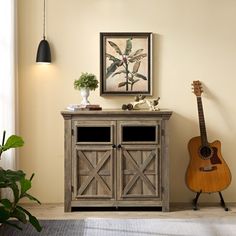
{"type": "Point", "coordinates": [6, 203]}
{"type": "Point", "coordinates": [25, 185]}
{"type": "Point", "coordinates": [32, 219]}
{"type": "Point", "coordinates": [20, 215]}
{"type": "Point", "coordinates": [13, 141]}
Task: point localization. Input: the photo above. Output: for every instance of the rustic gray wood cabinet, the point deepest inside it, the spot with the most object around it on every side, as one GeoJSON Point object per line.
{"type": "Point", "coordinates": [116, 158]}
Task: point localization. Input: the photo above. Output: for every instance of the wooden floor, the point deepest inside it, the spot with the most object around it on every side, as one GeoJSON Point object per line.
{"type": "Point", "coordinates": [182, 211]}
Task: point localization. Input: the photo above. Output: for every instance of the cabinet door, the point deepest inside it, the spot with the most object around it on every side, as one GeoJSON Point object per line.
{"type": "Point", "coordinates": [138, 172]}
{"type": "Point", "coordinates": [93, 164]}
{"type": "Point", "coordinates": [138, 167]}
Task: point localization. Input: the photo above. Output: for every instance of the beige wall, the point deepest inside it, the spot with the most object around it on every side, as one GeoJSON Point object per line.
{"type": "Point", "coordinates": [193, 39]}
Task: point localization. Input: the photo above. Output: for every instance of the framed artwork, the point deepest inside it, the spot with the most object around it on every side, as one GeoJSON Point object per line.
{"type": "Point", "coordinates": [125, 63]}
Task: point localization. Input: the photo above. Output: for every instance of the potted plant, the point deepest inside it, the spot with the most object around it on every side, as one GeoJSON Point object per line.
{"type": "Point", "coordinates": [85, 83]}
{"type": "Point", "coordinates": [19, 184]}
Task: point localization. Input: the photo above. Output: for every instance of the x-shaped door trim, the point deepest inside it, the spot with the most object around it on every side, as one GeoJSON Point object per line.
{"type": "Point", "coordinates": [139, 172]}
{"type": "Point", "coordinates": [94, 172]}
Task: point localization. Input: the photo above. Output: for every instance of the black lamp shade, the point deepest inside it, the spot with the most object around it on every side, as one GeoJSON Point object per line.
{"type": "Point", "coordinates": [43, 53]}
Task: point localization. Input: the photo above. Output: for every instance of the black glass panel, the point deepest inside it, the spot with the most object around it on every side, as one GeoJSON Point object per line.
{"type": "Point", "coordinates": [139, 133]}
{"type": "Point", "coordinates": [93, 134]}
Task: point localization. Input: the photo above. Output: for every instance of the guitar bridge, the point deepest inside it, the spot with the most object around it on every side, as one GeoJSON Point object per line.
{"type": "Point", "coordinates": [208, 168]}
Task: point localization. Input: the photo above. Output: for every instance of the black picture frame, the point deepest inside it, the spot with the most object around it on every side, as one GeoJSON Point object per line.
{"type": "Point", "coordinates": [125, 63]}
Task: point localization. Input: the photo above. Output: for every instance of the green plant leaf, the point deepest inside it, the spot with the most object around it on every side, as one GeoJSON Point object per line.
{"type": "Point", "coordinates": [119, 72]}
{"type": "Point", "coordinates": [6, 203]}
{"type": "Point", "coordinates": [112, 68]}
{"type": "Point", "coordinates": [11, 224]}
{"type": "Point", "coordinates": [32, 219]}
{"type": "Point", "coordinates": [140, 76]}
{"type": "Point", "coordinates": [13, 141]}
{"type": "Point", "coordinates": [138, 57]}
{"type": "Point", "coordinates": [7, 176]}
{"type": "Point", "coordinates": [4, 214]}
{"type": "Point", "coordinates": [136, 66]}
{"type": "Point", "coordinates": [117, 49]}
{"type": "Point", "coordinates": [20, 215]}
{"type": "Point", "coordinates": [128, 46]}
{"type": "Point", "coordinates": [15, 190]}
{"type": "Point", "coordinates": [86, 80]}
{"type": "Point", "coordinates": [122, 84]}
{"type": "Point", "coordinates": [32, 198]}
{"type": "Point", "coordinates": [25, 185]}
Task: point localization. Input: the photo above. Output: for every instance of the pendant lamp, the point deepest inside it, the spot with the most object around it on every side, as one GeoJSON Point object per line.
{"type": "Point", "coordinates": [43, 53]}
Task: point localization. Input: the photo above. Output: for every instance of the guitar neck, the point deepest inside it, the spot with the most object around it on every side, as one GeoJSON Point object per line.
{"type": "Point", "coordinates": [202, 125]}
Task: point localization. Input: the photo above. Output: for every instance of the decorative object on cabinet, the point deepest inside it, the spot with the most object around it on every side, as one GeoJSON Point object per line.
{"type": "Point", "coordinates": [126, 63]}
{"type": "Point", "coordinates": [44, 52]}
{"type": "Point", "coordinates": [85, 83]}
{"type": "Point", "coordinates": [116, 159]}
{"type": "Point", "coordinates": [142, 103]}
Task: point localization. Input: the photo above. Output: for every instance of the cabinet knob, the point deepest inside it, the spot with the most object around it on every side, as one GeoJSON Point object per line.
{"type": "Point", "coordinates": [119, 146]}
{"type": "Point", "coordinates": [113, 146]}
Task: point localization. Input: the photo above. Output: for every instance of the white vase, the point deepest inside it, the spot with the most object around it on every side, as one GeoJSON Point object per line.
{"type": "Point", "coordinates": [84, 94]}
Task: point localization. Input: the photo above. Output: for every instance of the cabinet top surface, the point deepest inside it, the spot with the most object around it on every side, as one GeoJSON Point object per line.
{"type": "Point", "coordinates": [112, 112]}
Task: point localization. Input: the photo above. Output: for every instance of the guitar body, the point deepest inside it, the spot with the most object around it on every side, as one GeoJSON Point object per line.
{"type": "Point", "coordinates": [207, 171]}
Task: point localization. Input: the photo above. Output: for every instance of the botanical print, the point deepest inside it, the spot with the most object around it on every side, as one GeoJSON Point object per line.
{"type": "Point", "coordinates": [126, 64]}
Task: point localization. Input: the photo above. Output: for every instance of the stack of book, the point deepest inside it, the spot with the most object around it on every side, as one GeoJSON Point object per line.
{"type": "Point", "coordinates": [78, 107]}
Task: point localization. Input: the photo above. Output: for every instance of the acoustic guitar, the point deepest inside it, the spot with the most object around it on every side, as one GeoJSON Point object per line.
{"type": "Point", "coordinates": [207, 170]}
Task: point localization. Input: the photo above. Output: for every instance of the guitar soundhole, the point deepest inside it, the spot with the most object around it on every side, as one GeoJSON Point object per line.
{"type": "Point", "coordinates": [205, 152]}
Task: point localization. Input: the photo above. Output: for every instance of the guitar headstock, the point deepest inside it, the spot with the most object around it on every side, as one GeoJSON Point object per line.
{"type": "Point", "coordinates": [197, 88]}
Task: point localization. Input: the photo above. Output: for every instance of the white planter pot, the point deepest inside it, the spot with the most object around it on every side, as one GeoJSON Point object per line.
{"type": "Point", "coordinates": [84, 92]}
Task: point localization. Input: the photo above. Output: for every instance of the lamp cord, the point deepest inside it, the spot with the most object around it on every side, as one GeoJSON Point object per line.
{"type": "Point", "coordinates": [44, 9]}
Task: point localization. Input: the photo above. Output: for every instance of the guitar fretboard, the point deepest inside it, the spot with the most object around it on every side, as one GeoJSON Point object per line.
{"type": "Point", "coordinates": [202, 125]}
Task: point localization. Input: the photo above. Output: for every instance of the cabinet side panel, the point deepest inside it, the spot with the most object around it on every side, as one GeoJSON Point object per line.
{"type": "Point", "coordinates": [67, 166]}
{"type": "Point", "coordinates": [165, 165]}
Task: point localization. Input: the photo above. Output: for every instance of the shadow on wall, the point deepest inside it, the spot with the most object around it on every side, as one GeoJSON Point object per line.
{"type": "Point", "coordinates": [181, 130]}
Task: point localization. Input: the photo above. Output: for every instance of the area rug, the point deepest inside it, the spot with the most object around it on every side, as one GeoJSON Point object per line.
{"type": "Point", "coordinates": [129, 227]}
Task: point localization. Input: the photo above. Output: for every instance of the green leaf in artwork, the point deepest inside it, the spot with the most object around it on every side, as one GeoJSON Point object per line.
{"type": "Point", "coordinates": [136, 66]}
{"type": "Point", "coordinates": [119, 72]}
{"type": "Point", "coordinates": [111, 57]}
{"type": "Point", "coordinates": [117, 49]}
{"type": "Point", "coordinates": [132, 54]}
{"type": "Point", "coordinates": [140, 76]}
{"type": "Point", "coordinates": [135, 81]}
{"type": "Point", "coordinates": [122, 84]}
{"type": "Point", "coordinates": [112, 68]}
{"type": "Point", "coordinates": [128, 46]}
{"type": "Point", "coordinates": [138, 57]}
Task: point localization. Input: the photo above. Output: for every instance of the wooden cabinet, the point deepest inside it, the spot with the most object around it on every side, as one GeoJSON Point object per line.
{"type": "Point", "coordinates": [116, 159]}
